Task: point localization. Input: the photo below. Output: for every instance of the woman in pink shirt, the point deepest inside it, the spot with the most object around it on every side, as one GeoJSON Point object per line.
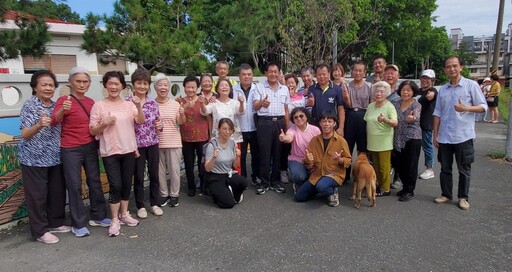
{"type": "Point", "coordinates": [113, 122]}
{"type": "Point", "coordinates": [299, 136]}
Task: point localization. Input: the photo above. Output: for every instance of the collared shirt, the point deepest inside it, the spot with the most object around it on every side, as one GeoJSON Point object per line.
{"type": "Point", "coordinates": [326, 99]}
{"type": "Point", "coordinates": [393, 96]}
{"type": "Point", "coordinates": [246, 120]}
{"type": "Point", "coordinates": [360, 96]}
{"type": "Point", "coordinates": [405, 131]}
{"type": "Point", "coordinates": [146, 134]}
{"type": "Point", "coordinates": [277, 99]}
{"type": "Point", "coordinates": [43, 149]}
{"type": "Point", "coordinates": [457, 127]}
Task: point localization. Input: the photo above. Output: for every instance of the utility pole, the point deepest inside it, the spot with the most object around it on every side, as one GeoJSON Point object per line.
{"type": "Point", "coordinates": [335, 47]}
{"type": "Point", "coordinates": [497, 41]}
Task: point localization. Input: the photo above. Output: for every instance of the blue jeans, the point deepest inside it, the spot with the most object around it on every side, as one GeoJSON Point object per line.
{"type": "Point", "coordinates": [428, 147]}
{"type": "Point", "coordinates": [297, 172]}
{"type": "Point", "coordinates": [324, 187]}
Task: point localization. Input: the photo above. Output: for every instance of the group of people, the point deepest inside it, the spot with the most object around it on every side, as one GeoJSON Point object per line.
{"type": "Point", "coordinates": [301, 135]}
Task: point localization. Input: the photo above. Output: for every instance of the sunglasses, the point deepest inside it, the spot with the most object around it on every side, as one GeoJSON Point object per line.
{"type": "Point", "coordinates": [298, 116]}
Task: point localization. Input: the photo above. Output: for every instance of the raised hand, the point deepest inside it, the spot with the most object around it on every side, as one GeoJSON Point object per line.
{"type": "Point", "coordinates": [136, 100]}
{"type": "Point", "coordinates": [337, 156]}
{"type": "Point", "coordinates": [410, 117]}
{"type": "Point", "coordinates": [381, 118]}
{"type": "Point", "coordinates": [181, 110]}
{"type": "Point", "coordinates": [311, 100]}
{"type": "Point", "coordinates": [110, 120]}
{"type": "Point", "coordinates": [67, 103]}
{"type": "Point", "coordinates": [241, 98]}
{"type": "Point", "coordinates": [158, 124]}
{"type": "Point", "coordinates": [45, 120]}
{"type": "Point", "coordinates": [282, 136]}
{"type": "Point", "coordinates": [216, 153]}
{"type": "Point", "coordinates": [309, 155]}
{"type": "Point", "coordinates": [265, 102]}
{"type": "Point", "coordinates": [460, 107]}
{"type": "Point", "coordinates": [238, 152]}
{"type": "Point", "coordinates": [201, 99]}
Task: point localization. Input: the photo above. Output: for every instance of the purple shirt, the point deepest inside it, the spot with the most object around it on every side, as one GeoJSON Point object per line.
{"type": "Point", "coordinates": [146, 134]}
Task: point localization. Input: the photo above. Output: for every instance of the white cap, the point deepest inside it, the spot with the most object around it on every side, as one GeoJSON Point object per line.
{"type": "Point", "coordinates": [428, 73]}
{"type": "Point", "coordinates": [487, 79]}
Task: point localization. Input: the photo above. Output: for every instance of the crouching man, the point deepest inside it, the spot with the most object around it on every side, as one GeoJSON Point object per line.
{"type": "Point", "coordinates": [327, 158]}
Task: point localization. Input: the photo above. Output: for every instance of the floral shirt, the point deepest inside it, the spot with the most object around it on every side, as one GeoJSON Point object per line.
{"type": "Point", "coordinates": [406, 131]}
{"type": "Point", "coordinates": [195, 128]}
{"type": "Point", "coordinates": [146, 134]}
{"type": "Point", "coordinates": [43, 149]}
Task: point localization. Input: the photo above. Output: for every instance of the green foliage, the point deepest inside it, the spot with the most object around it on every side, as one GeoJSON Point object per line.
{"type": "Point", "coordinates": [496, 154]}
{"type": "Point", "coordinates": [8, 158]}
{"type": "Point", "coordinates": [154, 34]}
{"type": "Point", "coordinates": [47, 9]}
{"type": "Point", "coordinates": [466, 56]}
{"type": "Point", "coordinates": [503, 103]}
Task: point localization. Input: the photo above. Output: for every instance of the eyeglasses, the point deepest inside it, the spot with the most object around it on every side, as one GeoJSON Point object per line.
{"type": "Point", "coordinates": [298, 116]}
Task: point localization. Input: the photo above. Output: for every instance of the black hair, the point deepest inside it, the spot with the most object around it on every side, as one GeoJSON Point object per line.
{"type": "Point", "coordinates": [412, 84]}
{"type": "Point", "coordinates": [39, 74]}
{"type": "Point", "coordinates": [292, 75]}
{"type": "Point", "coordinates": [328, 115]}
{"type": "Point", "coordinates": [203, 76]}
{"type": "Point", "coordinates": [114, 74]}
{"type": "Point", "coordinates": [452, 57]}
{"type": "Point", "coordinates": [300, 109]}
{"type": "Point", "coordinates": [272, 64]}
{"type": "Point", "coordinates": [495, 77]}
{"type": "Point", "coordinates": [191, 79]}
{"type": "Point", "coordinates": [321, 66]}
{"type": "Point", "coordinates": [244, 66]}
{"type": "Point", "coordinates": [227, 121]}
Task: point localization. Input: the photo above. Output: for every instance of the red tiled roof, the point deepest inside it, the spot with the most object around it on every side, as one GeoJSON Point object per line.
{"type": "Point", "coordinates": [13, 15]}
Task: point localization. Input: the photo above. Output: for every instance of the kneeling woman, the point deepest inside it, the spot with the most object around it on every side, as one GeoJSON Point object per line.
{"type": "Point", "coordinates": [221, 155]}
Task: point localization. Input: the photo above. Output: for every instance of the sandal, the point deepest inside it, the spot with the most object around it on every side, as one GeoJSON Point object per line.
{"type": "Point", "coordinates": [379, 194]}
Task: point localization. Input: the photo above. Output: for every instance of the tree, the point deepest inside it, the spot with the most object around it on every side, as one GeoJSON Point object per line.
{"type": "Point", "coordinates": [154, 34]}
{"type": "Point", "coordinates": [29, 40]}
{"type": "Point", "coordinates": [48, 9]}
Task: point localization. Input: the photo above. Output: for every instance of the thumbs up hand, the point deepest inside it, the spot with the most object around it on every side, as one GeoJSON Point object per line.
{"type": "Point", "coordinates": [410, 117]}
{"type": "Point", "coordinates": [282, 136]}
{"type": "Point", "coordinates": [310, 156]}
{"type": "Point", "coordinates": [110, 120]}
{"type": "Point", "coordinates": [311, 99]}
{"type": "Point", "coordinates": [265, 102]}
{"type": "Point", "coordinates": [136, 100]}
{"type": "Point", "coordinates": [459, 106]}
{"type": "Point", "coordinates": [241, 98]}
{"type": "Point", "coordinates": [67, 103]}
{"type": "Point", "coordinates": [381, 118]}
{"type": "Point", "coordinates": [45, 120]}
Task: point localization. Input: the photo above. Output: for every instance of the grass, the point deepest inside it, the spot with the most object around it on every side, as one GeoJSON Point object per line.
{"type": "Point", "coordinates": [496, 154]}
{"type": "Point", "coordinates": [503, 103]}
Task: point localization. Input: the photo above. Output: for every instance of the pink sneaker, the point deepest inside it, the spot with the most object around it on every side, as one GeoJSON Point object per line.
{"type": "Point", "coordinates": [127, 219]}
{"type": "Point", "coordinates": [115, 228]}
{"type": "Point", "coordinates": [48, 238]}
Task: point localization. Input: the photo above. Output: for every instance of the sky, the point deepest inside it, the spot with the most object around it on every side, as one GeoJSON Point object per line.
{"type": "Point", "coordinates": [474, 17]}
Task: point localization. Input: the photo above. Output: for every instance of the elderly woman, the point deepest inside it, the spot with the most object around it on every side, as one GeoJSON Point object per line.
{"type": "Point", "coordinates": [113, 122]}
{"type": "Point", "coordinates": [80, 149]}
{"type": "Point", "coordinates": [194, 132]}
{"type": "Point", "coordinates": [380, 120]}
{"type": "Point", "coordinates": [299, 137]}
{"type": "Point", "coordinates": [407, 139]}
{"type": "Point", "coordinates": [172, 115]}
{"type": "Point", "coordinates": [147, 145]}
{"type": "Point", "coordinates": [221, 155]}
{"type": "Point", "coordinates": [39, 155]}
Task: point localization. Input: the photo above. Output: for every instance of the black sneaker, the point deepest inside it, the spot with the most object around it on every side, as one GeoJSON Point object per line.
{"type": "Point", "coordinates": [174, 201]}
{"type": "Point", "coordinates": [164, 202]}
{"type": "Point", "coordinates": [256, 182]}
{"type": "Point", "coordinates": [278, 189]}
{"type": "Point", "coordinates": [261, 190]}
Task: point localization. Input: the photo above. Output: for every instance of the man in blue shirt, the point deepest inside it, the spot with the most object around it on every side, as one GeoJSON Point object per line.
{"type": "Point", "coordinates": [325, 96]}
{"type": "Point", "coordinates": [454, 129]}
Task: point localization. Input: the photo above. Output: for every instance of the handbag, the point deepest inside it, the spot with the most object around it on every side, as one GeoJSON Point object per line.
{"type": "Point", "coordinates": [490, 98]}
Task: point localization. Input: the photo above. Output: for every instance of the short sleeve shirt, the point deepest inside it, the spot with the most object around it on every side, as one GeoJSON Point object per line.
{"type": "Point", "coordinates": [75, 123]}
{"type": "Point", "coordinates": [380, 135]}
{"type": "Point", "coordinates": [43, 149]}
{"type": "Point", "coordinates": [146, 134]}
{"type": "Point", "coordinates": [224, 161]}
{"type": "Point", "coordinates": [326, 100]}
{"type": "Point", "coordinates": [195, 128]}
{"type": "Point", "coordinates": [301, 141]}
{"type": "Point", "coordinates": [278, 99]}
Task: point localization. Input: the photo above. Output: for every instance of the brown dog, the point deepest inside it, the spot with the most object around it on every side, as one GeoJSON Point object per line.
{"type": "Point", "coordinates": [364, 177]}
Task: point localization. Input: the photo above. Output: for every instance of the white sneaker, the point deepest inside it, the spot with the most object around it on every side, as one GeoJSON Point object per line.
{"type": "Point", "coordinates": [142, 213]}
{"type": "Point", "coordinates": [284, 177]}
{"type": "Point", "coordinates": [427, 174]}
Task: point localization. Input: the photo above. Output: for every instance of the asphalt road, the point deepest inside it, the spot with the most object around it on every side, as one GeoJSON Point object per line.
{"type": "Point", "coordinates": [274, 233]}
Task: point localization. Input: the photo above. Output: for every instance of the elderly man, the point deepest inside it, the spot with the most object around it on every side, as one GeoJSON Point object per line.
{"type": "Point", "coordinates": [271, 101]}
{"type": "Point", "coordinates": [428, 103]}
{"type": "Point", "coordinates": [391, 76]}
{"type": "Point", "coordinates": [222, 70]}
{"type": "Point", "coordinates": [327, 157]}
{"type": "Point", "coordinates": [379, 63]}
{"type": "Point", "coordinates": [247, 125]}
{"type": "Point", "coordinates": [454, 129]}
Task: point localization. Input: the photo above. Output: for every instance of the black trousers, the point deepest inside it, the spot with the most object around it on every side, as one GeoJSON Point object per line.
{"type": "Point", "coordinates": [119, 169]}
{"type": "Point", "coordinates": [250, 139]}
{"type": "Point", "coordinates": [270, 150]}
{"type": "Point", "coordinates": [464, 156]}
{"type": "Point", "coordinates": [73, 159]}
{"type": "Point", "coordinates": [151, 155]}
{"type": "Point", "coordinates": [190, 151]}
{"type": "Point", "coordinates": [355, 133]}
{"type": "Point", "coordinates": [218, 186]}
{"type": "Point", "coordinates": [406, 164]}
{"type": "Point", "coordinates": [45, 196]}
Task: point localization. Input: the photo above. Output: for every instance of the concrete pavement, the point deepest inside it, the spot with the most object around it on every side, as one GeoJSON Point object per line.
{"type": "Point", "coordinates": [274, 233]}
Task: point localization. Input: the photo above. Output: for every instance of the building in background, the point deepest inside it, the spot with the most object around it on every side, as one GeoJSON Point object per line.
{"type": "Point", "coordinates": [483, 47]}
{"type": "Point", "coordinates": [64, 52]}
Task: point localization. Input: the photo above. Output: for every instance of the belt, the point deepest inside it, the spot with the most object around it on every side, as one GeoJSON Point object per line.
{"type": "Point", "coordinates": [271, 118]}
{"type": "Point", "coordinates": [356, 109]}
